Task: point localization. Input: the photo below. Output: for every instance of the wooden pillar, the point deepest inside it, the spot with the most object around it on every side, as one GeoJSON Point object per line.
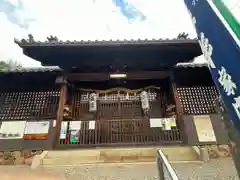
{"type": "Point", "coordinates": [62, 100]}
{"type": "Point", "coordinates": [179, 110]}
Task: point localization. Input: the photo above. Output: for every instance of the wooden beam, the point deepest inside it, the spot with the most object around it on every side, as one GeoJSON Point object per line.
{"type": "Point", "coordinates": [140, 75]}
{"type": "Point", "coordinates": [179, 110]}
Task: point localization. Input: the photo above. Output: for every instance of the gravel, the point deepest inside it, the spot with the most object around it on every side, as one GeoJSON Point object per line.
{"type": "Point", "coordinates": [221, 169]}
{"type": "Point", "coordinates": [217, 169]}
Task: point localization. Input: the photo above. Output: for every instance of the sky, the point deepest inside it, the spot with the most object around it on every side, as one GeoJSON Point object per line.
{"type": "Point", "coordinates": [234, 6]}
{"type": "Point", "coordinates": [88, 20]}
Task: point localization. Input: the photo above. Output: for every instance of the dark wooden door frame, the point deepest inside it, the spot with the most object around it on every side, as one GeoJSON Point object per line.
{"type": "Point", "coordinates": [62, 101]}
{"type": "Point", "coordinates": [179, 110]}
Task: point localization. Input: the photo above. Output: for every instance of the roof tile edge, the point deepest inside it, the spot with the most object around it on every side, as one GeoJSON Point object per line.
{"type": "Point", "coordinates": [51, 40]}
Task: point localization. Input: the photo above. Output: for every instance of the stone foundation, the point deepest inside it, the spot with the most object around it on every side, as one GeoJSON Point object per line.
{"type": "Point", "coordinates": [216, 151]}
{"type": "Point", "coordinates": [17, 157]}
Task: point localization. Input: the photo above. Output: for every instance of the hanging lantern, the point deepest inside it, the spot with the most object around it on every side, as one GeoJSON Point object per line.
{"type": "Point", "coordinates": [93, 102]}
{"type": "Point", "coordinates": [144, 101]}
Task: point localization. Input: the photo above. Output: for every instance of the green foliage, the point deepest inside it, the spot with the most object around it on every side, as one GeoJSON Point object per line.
{"type": "Point", "coordinates": [9, 65]}
{"type": "Point", "coordinates": [3, 66]}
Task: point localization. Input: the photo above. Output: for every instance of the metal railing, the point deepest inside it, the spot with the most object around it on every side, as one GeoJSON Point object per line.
{"type": "Point", "coordinates": [165, 170]}
{"type": "Point", "coordinates": [118, 133]}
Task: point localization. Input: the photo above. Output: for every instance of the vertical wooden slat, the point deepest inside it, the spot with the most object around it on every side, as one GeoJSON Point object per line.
{"type": "Point", "coordinates": [62, 100]}
{"type": "Point", "coordinates": [119, 105]}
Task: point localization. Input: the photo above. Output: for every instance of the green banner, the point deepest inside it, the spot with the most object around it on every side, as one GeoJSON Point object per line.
{"type": "Point", "coordinates": [230, 10]}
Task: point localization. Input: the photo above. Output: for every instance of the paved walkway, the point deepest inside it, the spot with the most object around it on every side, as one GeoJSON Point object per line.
{"type": "Point", "coordinates": [217, 169]}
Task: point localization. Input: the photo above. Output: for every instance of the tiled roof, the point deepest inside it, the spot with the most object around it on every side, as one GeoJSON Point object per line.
{"type": "Point", "coordinates": [57, 69]}
{"type": "Point", "coordinates": [38, 69]}
{"type": "Point", "coordinates": [191, 65]}
{"type": "Point", "coordinates": [53, 41]}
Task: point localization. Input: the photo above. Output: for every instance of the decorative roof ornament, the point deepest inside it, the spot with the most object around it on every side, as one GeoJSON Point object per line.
{"type": "Point", "coordinates": [23, 41]}
{"type": "Point", "coordinates": [30, 38]}
{"type": "Point", "coordinates": [52, 39]}
{"type": "Point", "coordinates": [183, 35]}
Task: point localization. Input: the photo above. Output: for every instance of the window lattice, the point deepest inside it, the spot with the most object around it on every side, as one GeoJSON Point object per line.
{"type": "Point", "coordinates": [197, 100]}
{"type": "Point", "coordinates": [27, 105]}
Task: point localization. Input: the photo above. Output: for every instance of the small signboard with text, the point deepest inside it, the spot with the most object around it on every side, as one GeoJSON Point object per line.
{"type": "Point", "coordinates": [36, 130]}
{"type": "Point", "coordinates": [12, 129]}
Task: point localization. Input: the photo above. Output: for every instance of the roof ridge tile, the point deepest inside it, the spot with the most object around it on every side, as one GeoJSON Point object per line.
{"type": "Point", "coordinates": [182, 37]}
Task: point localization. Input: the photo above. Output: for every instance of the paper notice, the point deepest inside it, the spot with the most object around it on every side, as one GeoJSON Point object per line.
{"type": "Point", "coordinates": [63, 132]}
{"type": "Point", "coordinates": [74, 136]}
{"type": "Point", "coordinates": [155, 122]}
{"type": "Point", "coordinates": [172, 122]}
{"type": "Point", "coordinates": [204, 129]}
{"type": "Point", "coordinates": [167, 124]}
{"type": "Point", "coordinates": [75, 125]}
{"type": "Point", "coordinates": [12, 129]}
{"type": "Point", "coordinates": [92, 125]}
{"type": "Point", "coordinates": [54, 123]}
{"type": "Point", "coordinates": [41, 127]}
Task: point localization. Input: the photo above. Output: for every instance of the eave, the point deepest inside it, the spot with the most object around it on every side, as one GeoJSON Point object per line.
{"type": "Point", "coordinates": [112, 55]}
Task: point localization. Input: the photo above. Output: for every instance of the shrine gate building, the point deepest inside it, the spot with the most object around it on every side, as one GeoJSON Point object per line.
{"type": "Point", "coordinates": [108, 93]}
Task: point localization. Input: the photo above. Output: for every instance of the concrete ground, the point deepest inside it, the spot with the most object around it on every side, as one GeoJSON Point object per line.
{"type": "Point", "coordinates": [221, 169]}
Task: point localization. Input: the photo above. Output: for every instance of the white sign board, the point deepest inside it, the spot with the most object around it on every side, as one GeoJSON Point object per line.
{"type": "Point", "coordinates": [37, 130]}
{"type": "Point", "coordinates": [41, 127]}
{"type": "Point", "coordinates": [156, 122]}
{"type": "Point", "coordinates": [204, 129]}
{"type": "Point", "coordinates": [75, 125]}
{"type": "Point", "coordinates": [12, 129]}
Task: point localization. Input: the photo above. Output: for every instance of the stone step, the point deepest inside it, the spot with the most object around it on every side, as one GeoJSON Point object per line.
{"type": "Point", "coordinates": [118, 155]}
